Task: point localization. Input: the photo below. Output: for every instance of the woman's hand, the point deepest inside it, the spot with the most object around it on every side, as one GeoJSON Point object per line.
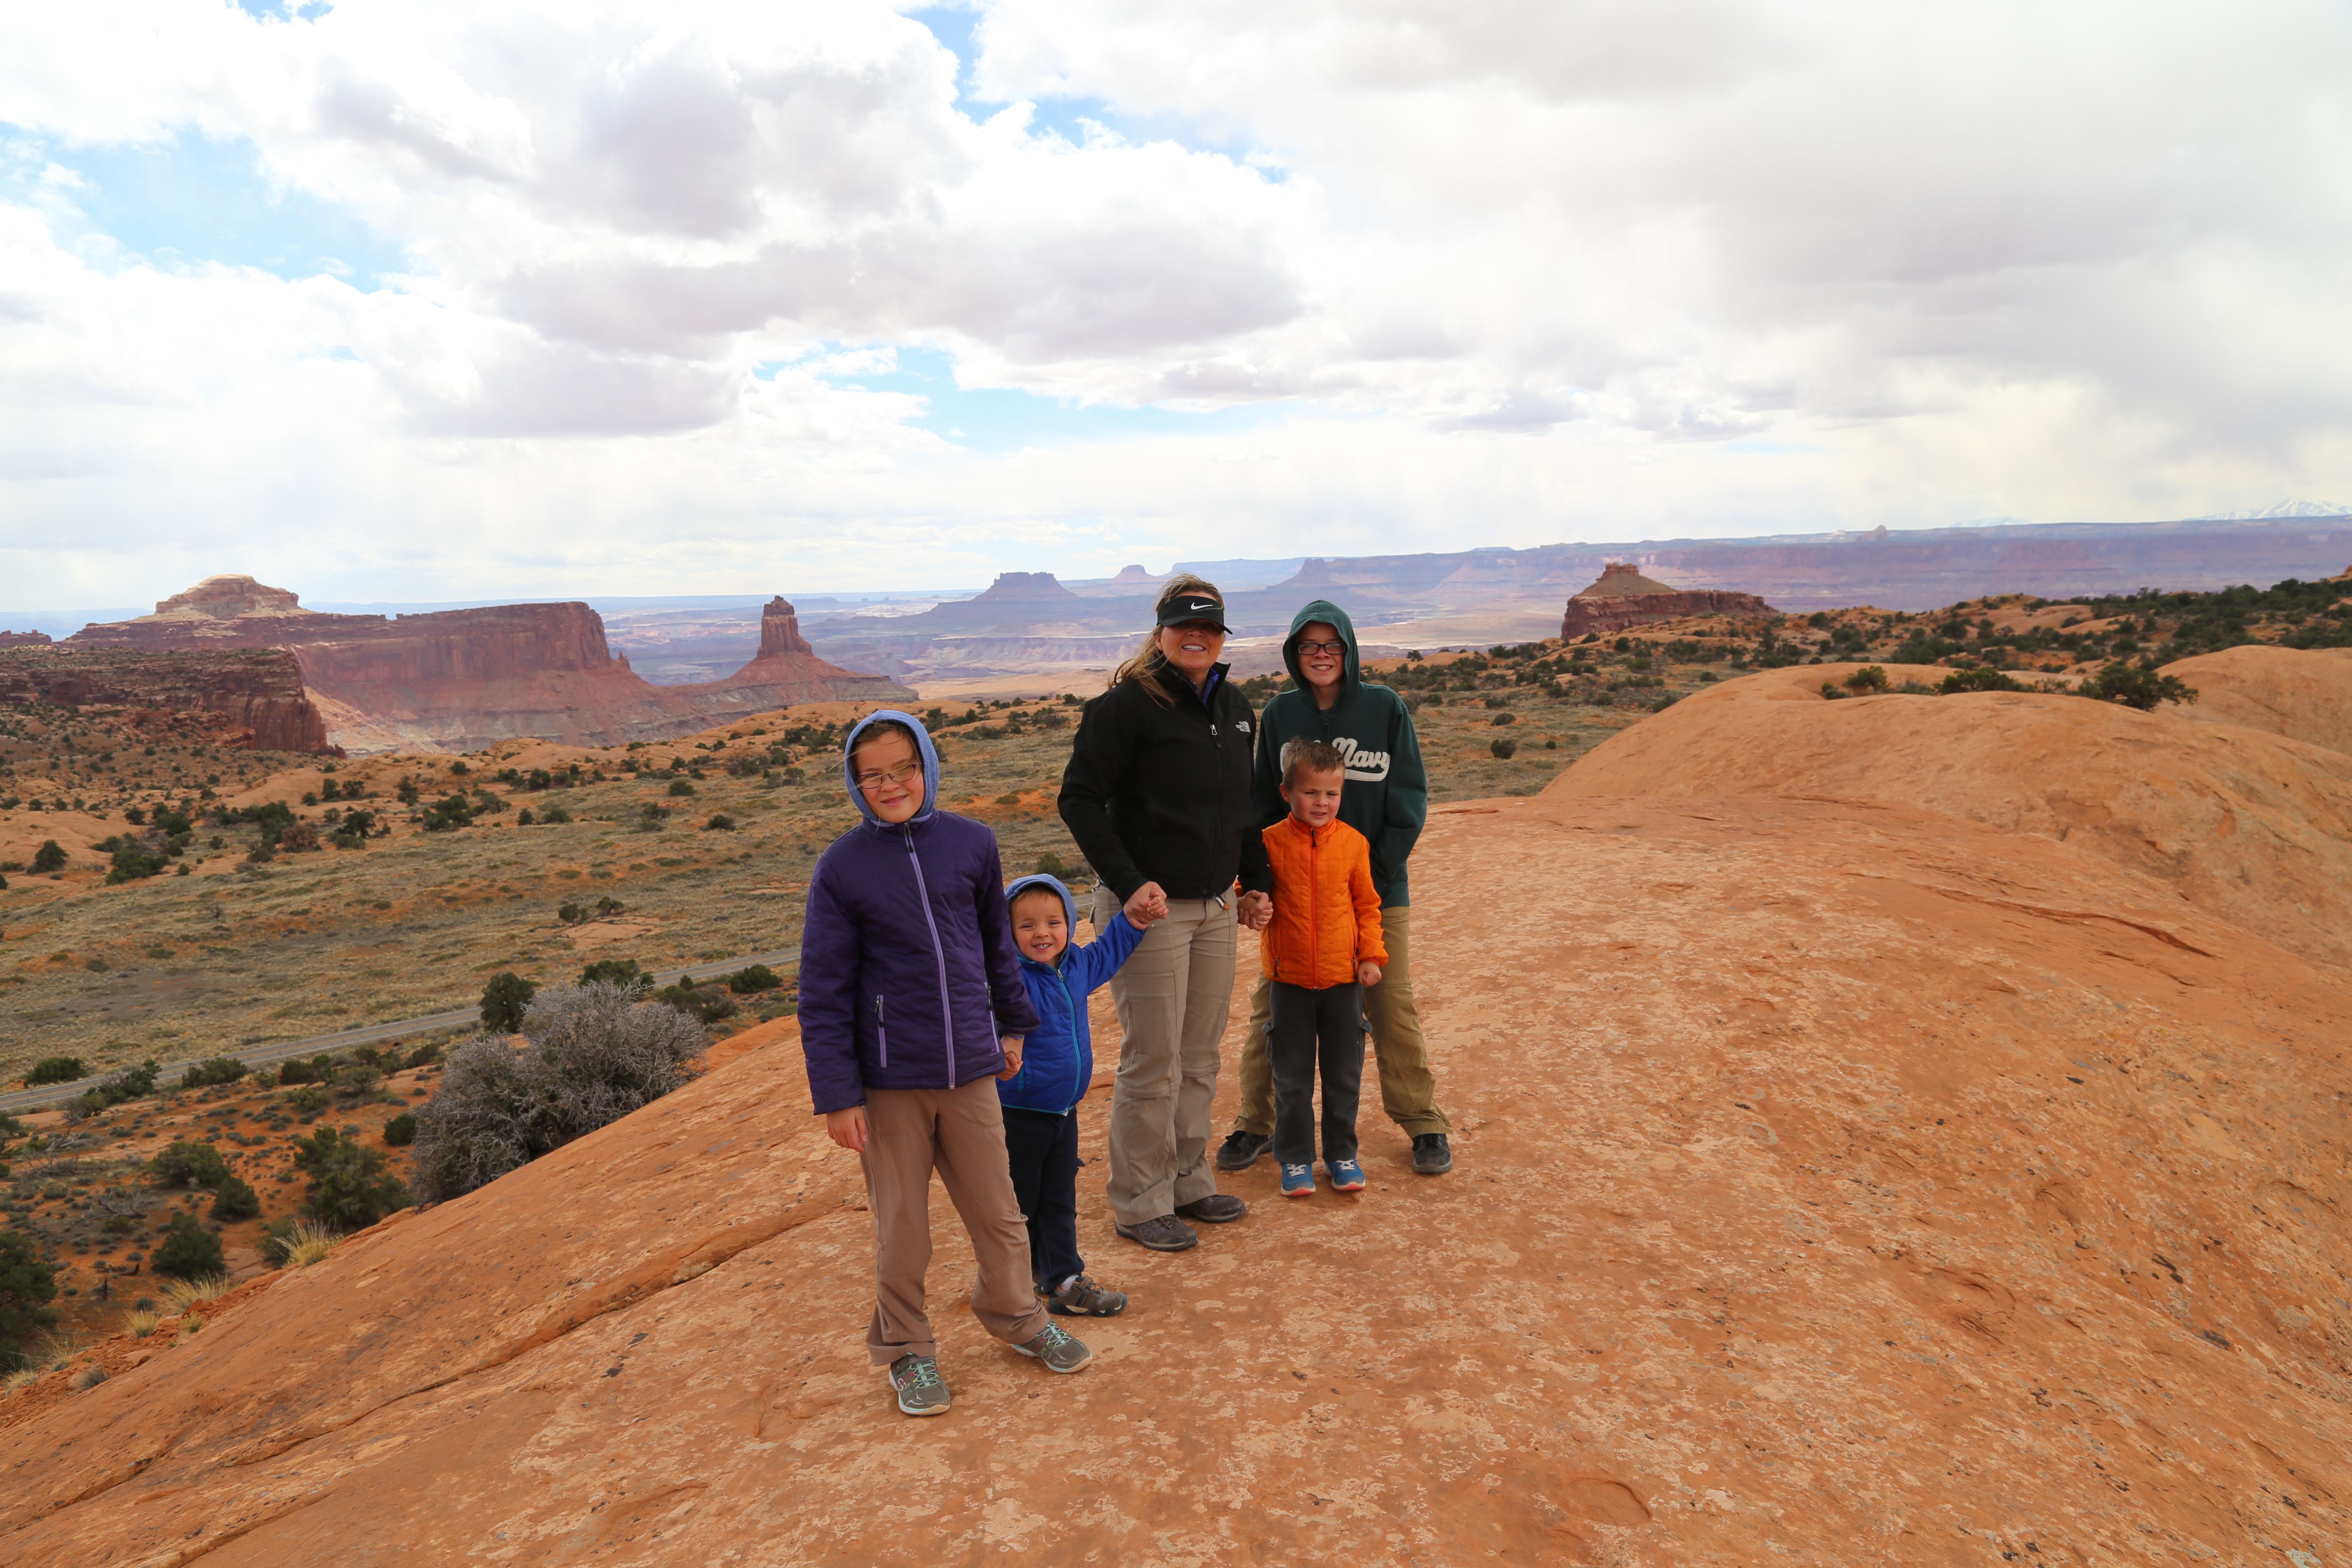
{"type": "Point", "coordinates": [1012, 1049]}
{"type": "Point", "coordinates": [1256, 911]}
{"type": "Point", "coordinates": [1147, 905]}
{"type": "Point", "coordinates": [847, 1128]}
{"type": "Point", "coordinates": [1367, 973]}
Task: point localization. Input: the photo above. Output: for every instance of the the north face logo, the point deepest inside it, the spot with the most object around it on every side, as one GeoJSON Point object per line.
{"type": "Point", "coordinates": [1370, 766]}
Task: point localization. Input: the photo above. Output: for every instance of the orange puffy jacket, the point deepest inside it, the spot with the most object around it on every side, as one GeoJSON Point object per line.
{"type": "Point", "coordinates": [1327, 913]}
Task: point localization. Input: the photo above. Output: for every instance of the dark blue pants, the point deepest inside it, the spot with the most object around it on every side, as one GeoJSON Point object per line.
{"type": "Point", "coordinates": [1316, 1030]}
{"type": "Point", "coordinates": [1043, 1149]}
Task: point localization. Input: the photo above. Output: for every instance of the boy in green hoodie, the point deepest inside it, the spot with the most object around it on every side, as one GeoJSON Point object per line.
{"type": "Point", "coordinates": [1386, 799]}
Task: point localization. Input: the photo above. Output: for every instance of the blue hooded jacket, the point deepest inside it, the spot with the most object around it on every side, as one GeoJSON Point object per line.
{"type": "Point", "coordinates": [1057, 1059]}
{"type": "Point", "coordinates": [908, 969]}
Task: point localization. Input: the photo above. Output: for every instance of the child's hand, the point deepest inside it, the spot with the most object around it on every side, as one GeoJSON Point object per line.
{"type": "Point", "coordinates": [1255, 911]}
{"type": "Point", "coordinates": [1012, 1049]}
{"type": "Point", "coordinates": [1367, 973]}
{"type": "Point", "coordinates": [847, 1128]}
{"type": "Point", "coordinates": [1146, 906]}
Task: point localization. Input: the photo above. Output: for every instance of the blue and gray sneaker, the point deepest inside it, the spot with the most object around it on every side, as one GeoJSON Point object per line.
{"type": "Point", "coordinates": [1299, 1181]}
{"type": "Point", "coordinates": [921, 1390]}
{"type": "Point", "coordinates": [1347, 1176]}
{"type": "Point", "coordinates": [1058, 1349]}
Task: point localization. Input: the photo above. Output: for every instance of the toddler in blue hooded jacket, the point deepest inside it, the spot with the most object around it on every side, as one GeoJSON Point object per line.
{"type": "Point", "coordinates": [1057, 1062]}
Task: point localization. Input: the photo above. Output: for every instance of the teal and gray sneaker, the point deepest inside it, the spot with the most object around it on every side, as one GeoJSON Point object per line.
{"type": "Point", "coordinates": [921, 1390]}
{"type": "Point", "coordinates": [1299, 1181]}
{"type": "Point", "coordinates": [1058, 1349]}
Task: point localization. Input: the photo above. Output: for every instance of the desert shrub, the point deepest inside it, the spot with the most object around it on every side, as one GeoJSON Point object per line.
{"type": "Point", "coordinates": [27, 1286]}
{"type": "Point", "coordinates": [48, 857]}
{"type": "Point", "coordinates": [448, 812]}
{"type": "Point", "coordinates": [401, 1130]}
{"type": "Point", "coordinates": [755, 978]}
{"type": "Point", "coordinates": [504, 999]}
{"type": "Point", "coordinates": [88, 1377]}
{"type": "Point", "coordinates": [421, 1055]}
{"type": "Point", "coordinates": [54, 1069]}
{"type": "Point", "coordinates": [707, 1003]}
{"type": "Point", "coordinates": [608, 905]}
{"type": "Point", "coordinates": [216, 1070]}
{"type": "Point", "coordinates": [299, 1071]}
{"type": "Point", "coordinates": [234, 1199]}
{"type": "Point", "coordinates": [594, 1053]}
{"type": "Point", "coordinates": [350, 1187]}
{"type": "Point", "coordinates": [572, 914]}
{"type": "Point", "coordinates": [293, 1243]}
{"type": "Point", "coordinates": [2135, 687]}
{"type": "Point", "coordinates": [1503, 718]}
{"type": "Point", "coordinates": [618, 970]}
{"type": "Point", "coordinates": [679, 787]}
{"type": "Point", "coordinates": [1504, 747]}
{"type": "Point", "coordinates": [132, 863]}
{"type": "Point", "coordinates": [188, 1249]}
{"type": "Point", "coordinates": [1050, 865]}
{"type": "Point", "coordinates": [720, 823]}
{"type": "Point", "coordinates": [355, 1082]}
{"type": "Point", "coordinates": [307, 1100]}
{"type": "Point", "coordinates": [1870, 677]}
{"type": "Point", "coordinates": [188, 1163]}
{"type": "Point", "coordinates": [1961, 680]}
{"type": "Point", "coordinates": [142, 1321]}
{"type": "Point", "coordinates": [554, 814]}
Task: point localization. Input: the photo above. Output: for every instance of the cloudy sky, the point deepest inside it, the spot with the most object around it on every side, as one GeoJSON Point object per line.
{"type": "Point", "coordinates": [441, 299]}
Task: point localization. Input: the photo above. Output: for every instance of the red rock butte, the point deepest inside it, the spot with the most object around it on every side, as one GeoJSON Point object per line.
{"type": "Point", "coordinates": [460, 679]}
{"type": "Point", "coordinates": [1622, 598]}
{"type": "Point", "coordinates": [1844, 1177]}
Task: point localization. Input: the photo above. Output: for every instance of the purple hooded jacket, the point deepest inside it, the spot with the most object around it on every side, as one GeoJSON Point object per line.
{"type": "Point", "coordinates": [908, 969]}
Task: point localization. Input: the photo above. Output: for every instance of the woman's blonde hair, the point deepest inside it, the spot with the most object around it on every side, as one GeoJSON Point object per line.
{"type": "Point", "coordinates": [1148, 661]}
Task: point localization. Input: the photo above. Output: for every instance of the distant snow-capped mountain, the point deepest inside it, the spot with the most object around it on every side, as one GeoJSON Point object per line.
{"type": "Point", "coordinates": [2282, 509]}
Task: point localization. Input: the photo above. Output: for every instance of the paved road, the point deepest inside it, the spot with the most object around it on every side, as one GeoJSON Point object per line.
{"type": "Point", "coordinates": [373, 1034]}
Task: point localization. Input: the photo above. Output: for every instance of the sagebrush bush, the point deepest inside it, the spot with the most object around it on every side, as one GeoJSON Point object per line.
{"type": "Point", "coordinates": [593, 1054]}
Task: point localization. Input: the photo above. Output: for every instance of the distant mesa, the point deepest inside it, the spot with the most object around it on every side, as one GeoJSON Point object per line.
{"type": "Point", "coordinates": [1136, 577]}
{"type": "Point", "coordinates": [229, 597]}
{"type": "Point", "coordinates": [460, 679]}
{"type": "Point", "coordinates": [260, 690]}
{"type": "Point", "coordinates": [1622, 598]}
{"type": "Point", "coordinates": [1027, 587]}
{"type": "Point", "coordinates": [24, 639]}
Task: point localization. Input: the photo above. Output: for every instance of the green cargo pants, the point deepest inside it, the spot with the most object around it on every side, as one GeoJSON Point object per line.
{"type": "Point", "coordinates": [1408, 1091]}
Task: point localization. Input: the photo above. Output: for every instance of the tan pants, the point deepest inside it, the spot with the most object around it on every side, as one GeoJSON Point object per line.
{"type": "Point", "coordinates": [1174, 995]}
{"type": "Point", "coordinates": [1408, 1090]}
{"type": "Point", "coordinates": [959, 1133]}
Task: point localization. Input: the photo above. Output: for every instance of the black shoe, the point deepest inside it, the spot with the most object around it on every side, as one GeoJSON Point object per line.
{"type": "Point", "coordinates": [1215, 1209]}
{"type": "Point", "coordinates": [1431, 1155]}
{"type": "Point", "coordinates": [1242, 1150]}
{"type": "Point", "coordinates": [1166, 1233]}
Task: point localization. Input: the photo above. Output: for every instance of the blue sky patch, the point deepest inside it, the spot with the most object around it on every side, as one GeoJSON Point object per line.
{"type": "Point", "coordinates": [1005, 419]}
{"type": "Point", "coordinates": [193, 200]}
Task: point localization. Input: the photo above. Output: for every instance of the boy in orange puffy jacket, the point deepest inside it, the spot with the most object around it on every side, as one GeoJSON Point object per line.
{"type": "Point", "coordinates": [1320, 949]}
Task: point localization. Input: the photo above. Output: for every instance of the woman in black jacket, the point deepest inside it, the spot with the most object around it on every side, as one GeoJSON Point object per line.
{"type": "Point", "coordinates": [1157, 794]}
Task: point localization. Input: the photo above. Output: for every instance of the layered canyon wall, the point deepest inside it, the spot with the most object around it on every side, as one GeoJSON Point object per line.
{"type": "Point", "coordinates": [260, 690]}
{"type": "Point", "coordinates": [461, 680]}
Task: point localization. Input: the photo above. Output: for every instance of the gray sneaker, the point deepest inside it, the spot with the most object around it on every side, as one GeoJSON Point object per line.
{"type": "Point", "coordinates": [921, 1390]}
{"type": "Point", "coordinates": [1058, 1348]}
{"type": "Point", "coordinates": [1166, 1233]}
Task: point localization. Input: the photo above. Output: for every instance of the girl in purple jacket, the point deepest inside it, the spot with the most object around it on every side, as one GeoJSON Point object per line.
{"type": "Point", "coordinates": [911, 1005]}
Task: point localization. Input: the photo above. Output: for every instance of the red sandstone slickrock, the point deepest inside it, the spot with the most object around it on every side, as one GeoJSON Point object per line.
{"type": "Point", "coordinates": [260, 690]}
{"type": "Point", "coordinates": [1840, 1181]}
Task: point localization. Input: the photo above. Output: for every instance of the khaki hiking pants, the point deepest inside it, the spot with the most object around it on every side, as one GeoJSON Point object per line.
{"type": "Point", "coordinates": [1174, 995]}
{"type": "Point", "coordinates": [1408, 1090]}
{"type": "Point", "coordinates": [958, 1132]}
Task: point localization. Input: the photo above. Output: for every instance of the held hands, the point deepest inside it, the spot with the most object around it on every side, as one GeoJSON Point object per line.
{"type": "Point", "coordinates": [1146, 906]}
{"type": "Point", "coordinates": [1012, 1047]}
{"type": "Point", "coordinates": [847, 1128]}
{"type": "Point", "coordinates": [1256, 911]}
{"type": "Point", "coordinates": [1367, 973]}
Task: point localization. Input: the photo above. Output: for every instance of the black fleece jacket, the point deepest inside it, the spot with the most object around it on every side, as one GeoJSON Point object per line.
{"type": "Point", "coordinates": [1160, 790]}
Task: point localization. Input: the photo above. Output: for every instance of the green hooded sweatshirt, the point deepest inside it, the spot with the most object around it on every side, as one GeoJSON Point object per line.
{"type": "Point", "coordinates": [1387, 793]}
